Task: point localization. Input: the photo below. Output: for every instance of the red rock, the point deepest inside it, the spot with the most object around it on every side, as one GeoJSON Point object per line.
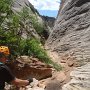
{"type": "Point", "coordinates": [36, 69]}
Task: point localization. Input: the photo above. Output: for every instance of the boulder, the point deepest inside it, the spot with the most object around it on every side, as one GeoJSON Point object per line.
{"type": "Point", "coordinates": [25, 67]}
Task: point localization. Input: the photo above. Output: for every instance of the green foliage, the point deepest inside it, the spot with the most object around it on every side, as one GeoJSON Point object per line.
{"type": "Point", "coordinates": [5, 5]}
{"type": "Point", "coordinates": [11, 27]}
{"type": "Point", "coordinates": [38, 26]}
{"type": "Point", "coordinates": [5, 9]}
{"type": "Point", "coordinates": [33, 47]}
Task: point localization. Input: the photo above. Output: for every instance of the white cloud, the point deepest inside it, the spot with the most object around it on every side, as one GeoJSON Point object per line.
{"type": "Point", "coordinates": [45, 4]}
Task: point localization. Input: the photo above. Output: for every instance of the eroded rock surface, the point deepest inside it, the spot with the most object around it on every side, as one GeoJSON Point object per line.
{"type": "Point", "coordinates": [80, 79]}
{"type": "Point", "coordinates": [71, 33]}
{"type": "Point", "coordinates": [70, 40]}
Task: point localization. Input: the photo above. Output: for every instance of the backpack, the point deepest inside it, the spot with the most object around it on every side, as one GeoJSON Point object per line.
{"type": "Point", "coordinates": [1, 64]}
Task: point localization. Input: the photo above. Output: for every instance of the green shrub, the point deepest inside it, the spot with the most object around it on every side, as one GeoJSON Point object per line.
{"type": "Point", "coordinates": [33, 47]}
{"type": "Point", "coordinates": [11, 26]}
{"type": "Point", "coordinates": [5, 9]}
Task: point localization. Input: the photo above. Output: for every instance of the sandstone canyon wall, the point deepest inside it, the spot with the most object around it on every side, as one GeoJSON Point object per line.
{"type": "Point", "coordinates": [70, 39]}
{"type": "Point", "coordinates": [71, 33]}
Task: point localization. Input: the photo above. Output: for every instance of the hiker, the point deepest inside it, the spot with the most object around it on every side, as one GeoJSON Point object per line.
{"type": "Point", "coordinates": [6, 74]}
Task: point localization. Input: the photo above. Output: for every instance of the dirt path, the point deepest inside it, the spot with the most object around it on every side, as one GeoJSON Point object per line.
{"type": "Point", "coordinates": [58, 79]}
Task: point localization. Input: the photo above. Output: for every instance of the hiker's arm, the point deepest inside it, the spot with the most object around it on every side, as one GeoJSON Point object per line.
{"type": "Point", "coordinates": [19, 82]}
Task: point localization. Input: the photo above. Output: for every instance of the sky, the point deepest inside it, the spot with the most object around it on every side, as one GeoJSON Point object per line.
{"type": "Point", "coordinates": [46, 7]}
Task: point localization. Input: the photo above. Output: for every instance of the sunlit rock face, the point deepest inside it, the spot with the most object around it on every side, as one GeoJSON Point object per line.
{"type": "Point", "coordinates": [28, 30]}
{"type": "Point", "coordinates": [71, 33]}
{"type": "Point", "coordinates": [80, 79]}
{"type": "Point", "coordinates": [47, 22]}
